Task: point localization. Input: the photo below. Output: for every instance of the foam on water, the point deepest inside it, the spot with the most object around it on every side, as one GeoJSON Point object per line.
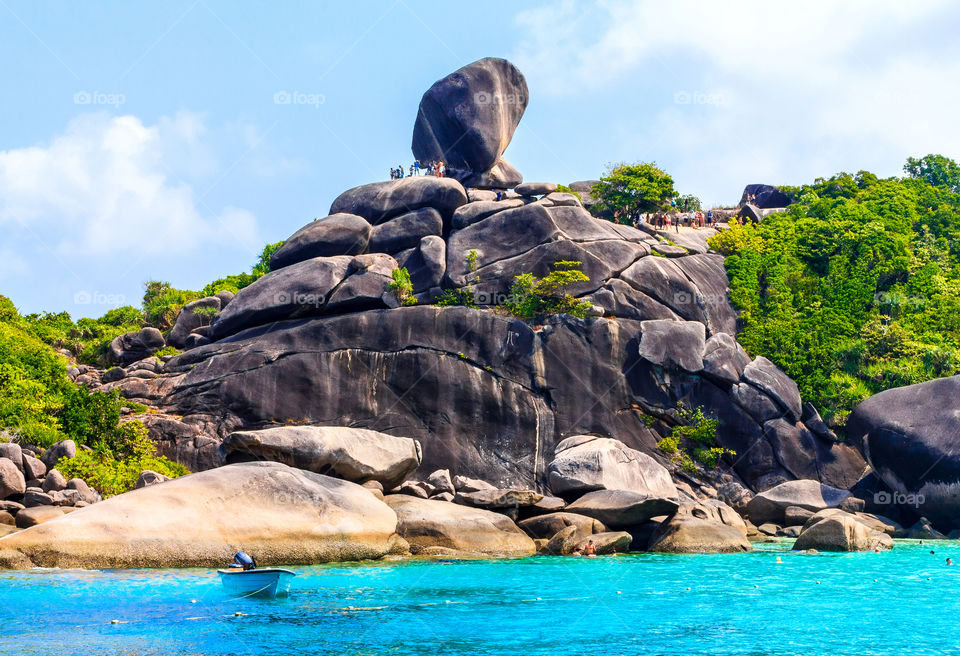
{"type": "Point", "coordinates": [896, 602]}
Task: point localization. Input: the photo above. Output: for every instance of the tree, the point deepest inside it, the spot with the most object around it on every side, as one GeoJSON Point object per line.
{"type": "Point", "coordinates": [688, 203]}
{"type": "Point", "coordinates": [936, 170]}
{"type": "Point", "coordinates": [631, 189]}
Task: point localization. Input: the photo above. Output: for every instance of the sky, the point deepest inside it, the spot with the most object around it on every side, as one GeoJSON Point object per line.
{"type": "Point", "coordinates": [171, 141]}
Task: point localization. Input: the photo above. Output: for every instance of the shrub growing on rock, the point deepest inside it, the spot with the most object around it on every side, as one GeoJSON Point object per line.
{"type": "Point", "coordinates": [531, 297]}
{"type": "Point", "coordinates": [693, 440]}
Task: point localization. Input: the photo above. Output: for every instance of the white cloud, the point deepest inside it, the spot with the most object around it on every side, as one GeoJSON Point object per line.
{"type": "Point", "coordinates": [807, 89]}
{"type": "Point", "coordinates": [111, 182]}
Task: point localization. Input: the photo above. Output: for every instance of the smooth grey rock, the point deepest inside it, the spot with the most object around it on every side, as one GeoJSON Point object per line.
{"type": "Point", "coordinates": [134, 346]}
{"type": "Point", "coordinates": [441, 480]}
{"type": "Point", "coordinates": [11, 479]}
{"type": "Point", "coordinates": [535, 188]}
{"type": "Point", "coordinates": [60, 450]}
{"type": "Point", "coordinates": [607, 464]}
{"type": "Point", "coordinates": [620, 508]}
{"type": "Point", "coordinates": [353, 454]}
{"type": "Point", "coordinates": [193, 315]}
{"type": "Point", "coordinates": [777, 385]}
{"type": "Point", "coordinates": [546, 526]}
{"type": "Point", "coordinates": [338, 234]}
{"type": "Point", "coordinates": [33, 468]}
{"type": "Point", "coordinates": [148, 477]}
{"type": "Point", "coordinates": [502, 175]}
{"type": "Point", "coordinates": [724, 359]}
{"type": "Point", "coordinates": [406, 230]}
{"type": "Point", "coordinates": [770, 505]}
{"type": "Point", "coordinates": [13, 452]}
{"type": "Point", "coordinates": [673, 344]}
{"type": "Point", "coordinates": [380, 201]}
{"type": "Point", "coordinates": [475, 212]}
{"type": "Point", "coordinates": [54, 481]}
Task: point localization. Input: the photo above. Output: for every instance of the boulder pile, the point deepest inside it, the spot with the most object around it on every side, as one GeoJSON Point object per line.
{"type": "Point", "coordinates": [33, 491]}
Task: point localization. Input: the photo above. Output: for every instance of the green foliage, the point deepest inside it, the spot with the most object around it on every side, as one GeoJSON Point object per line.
{"type": "Point", "coordinates": [855, 288]}
{"type": "Point", "coordinates": [688, 203]}
{"type": "Point", "coordinates": [935, 170]}
{"type": "Point", "coordinates": [564, 189]}
{"type": "Point", "coordinates": [402, 287]}
{"type": "Point", "coordinates": [112, 467]}
{"type": "Point", "coordinates": [531, 297]}
{"type": "Point", "coordinates": [693, 440]}
{"type": "Point", "coordinates": [628, 190]}
{"type": "Point", "coordinates": [462, 296]}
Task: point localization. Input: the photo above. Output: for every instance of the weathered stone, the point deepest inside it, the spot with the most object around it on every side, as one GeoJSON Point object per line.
{"type": "Point", "coordinates": [497, 498]}
{"type": "Point", "coordinates": [908, 435]}
{"type": "Point", "coordinates": [86, 493]}
{"type": "Point", "coordinates": [36, 515]}
{"type": "Point", "coordinates": [441, 480]}
{"type": "Point", "coordinates": [546, 526]}
{"type": "Point", "coordinates": [283, 515]}
{"type": "Point", "coordinates": [673, 344]}
{"type": "Point", "coordinates": [770, 505]}
{"type": "Point", "coordinates": [54, 480]}
{"type": "Point", "coordinates": [607, 543]}
{"type": "Point", "coordinates": [701, 528]}
{"type": "Point", "coordinates": [620, 508]}
{"type": "Point", "coordinates": [776, 384]}
{"type": "Point", "coordinates": [380, 201]}
{"type": "Point", "coordinates": [466, 484]}
{"type": "Point", "coordinates": [606, 464]}
{"type": "Point", "coordinates": [475, 212]}
{"type": "Point", "coordinates": [535, 188]}
{"type": "Point", "coordinates": [427, 523]}
{"type": "Point", "coordinates": [13, 452]}
{"type": "Point", "coordinates": [192, 316]}
{"type": "Point", "coordinates": [11, 479]}
{"type": "Point", "coordinates": [353, 454]}
{"type": "Point", "coordinates": [835, 530]}
{"type": "Point", "coordinates": [406, 230]}
{"type": "Point", "coordinates": [337, 234]}
{"type": "Point", "coordinates": [148, 477]}
{"type": "Point", "coordinates": [134, 346]}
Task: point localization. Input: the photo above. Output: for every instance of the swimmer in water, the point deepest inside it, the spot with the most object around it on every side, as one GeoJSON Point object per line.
{"type": "Point", "coordinates": [949, 562]}
{"type": "Point", "coordinates": [590, 549]}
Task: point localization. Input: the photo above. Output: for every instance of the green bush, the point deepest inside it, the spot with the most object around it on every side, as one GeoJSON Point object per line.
{"type": "Point", "coordinates": [113, 468]}
{"type": "Point", "coordinates": [855, 288]}
{"type": "Point", "coordinates": [402, 287]}
{"type": "Point", "coordinates": [532, 297]}
{"type": "Point", "coordinates": [693, 440]}
{"type": "Point", "coordinates": [628, 190]}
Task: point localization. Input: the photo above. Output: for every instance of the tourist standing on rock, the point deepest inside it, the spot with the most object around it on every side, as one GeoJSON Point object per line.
{"type": "Point", "coordinates": [441, 169]}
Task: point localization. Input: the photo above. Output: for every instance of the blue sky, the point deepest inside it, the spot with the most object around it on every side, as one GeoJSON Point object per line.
{"type": "Point", "coordinates": [143, 141]}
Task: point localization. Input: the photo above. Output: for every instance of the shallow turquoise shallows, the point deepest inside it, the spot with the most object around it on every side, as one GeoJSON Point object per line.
{"type": "Point", "coordinates": [905, 601]}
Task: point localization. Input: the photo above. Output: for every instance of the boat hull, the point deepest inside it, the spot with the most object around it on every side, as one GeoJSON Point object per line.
{"type": "Point", "coordinates": [271, 582]}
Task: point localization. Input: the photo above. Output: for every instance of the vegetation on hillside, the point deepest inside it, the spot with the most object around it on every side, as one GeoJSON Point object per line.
{"type": "Point", "coordinates": [89, 339]}
{"type": "Point", "coordinates": [855, 288]}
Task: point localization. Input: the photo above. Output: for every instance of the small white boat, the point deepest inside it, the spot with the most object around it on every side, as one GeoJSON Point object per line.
{"type": "Point", "coordinates": [267, 582]}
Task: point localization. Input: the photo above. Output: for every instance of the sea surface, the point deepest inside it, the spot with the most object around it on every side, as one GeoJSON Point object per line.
{"type": "Point", "coordinates": [903, 601]}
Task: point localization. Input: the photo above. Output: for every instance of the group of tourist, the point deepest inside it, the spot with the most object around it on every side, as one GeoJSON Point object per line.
{"type": "Point", "coordinates": [696, 220]}
{"type": "Point", "coordinates": [436, 169]}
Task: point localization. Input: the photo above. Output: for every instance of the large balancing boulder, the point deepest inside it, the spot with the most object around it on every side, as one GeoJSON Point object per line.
{"type": "Point", "coordinates": [353, 454]}
{"type": "Point", "coordinates": [426, 523]}
{"type": "Point", "coordinates": [585, 463]}
{"type": "Point", "coordinates": [764, 196]}
{"type": "Point", "coordinates": [911, 437]}
{"type": "Point", "coordinates": [281, 514]}
{"type": "Point", "coordinates": [468, 118]}
{"type": "Point", "coordinates": [771, 505]}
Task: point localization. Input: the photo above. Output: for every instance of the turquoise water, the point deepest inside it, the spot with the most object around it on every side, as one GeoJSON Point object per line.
{"type": "Point", "coordinates": [902, 601]}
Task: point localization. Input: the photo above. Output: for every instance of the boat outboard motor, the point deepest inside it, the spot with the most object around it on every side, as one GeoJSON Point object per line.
{"type": "Point", "coordinates": [244, 560]}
